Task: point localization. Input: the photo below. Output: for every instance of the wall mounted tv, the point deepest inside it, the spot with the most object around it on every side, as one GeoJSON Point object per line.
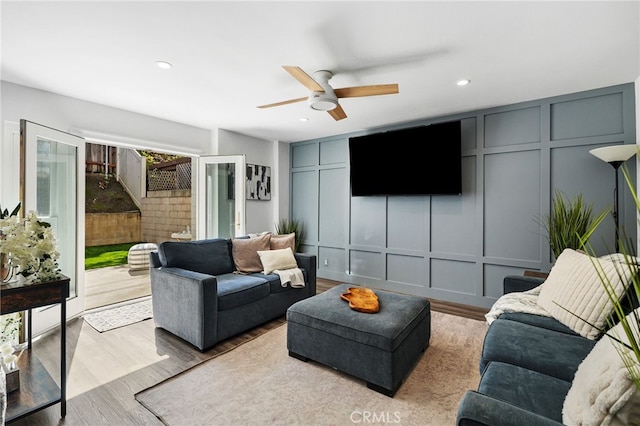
{"type": "Point", "coordinates": [424, 160]}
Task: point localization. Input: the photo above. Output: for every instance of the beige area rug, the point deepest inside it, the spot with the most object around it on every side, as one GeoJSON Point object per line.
{"type": "Point", "coordinates": [258, 383]}
{"type": "Point", "coordinates": [124, 314]}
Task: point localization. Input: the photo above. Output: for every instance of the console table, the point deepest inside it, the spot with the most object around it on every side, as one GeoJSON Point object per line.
{"type": "Point", "coordinates": [37, 390]}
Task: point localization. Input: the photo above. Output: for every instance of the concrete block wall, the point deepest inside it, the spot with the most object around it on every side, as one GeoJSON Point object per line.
{"type": "Point", "coordinates": [112, 228]}
{"type": "Point", "coordinates": [165, 212]}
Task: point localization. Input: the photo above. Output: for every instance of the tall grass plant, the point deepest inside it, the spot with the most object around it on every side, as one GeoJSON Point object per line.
{"type": "Point", "coordinates": [288, 226]}
{"type": "Point", "coordinates": [626, 308]}
{"type": "Point", "coordinates": [570, 223]}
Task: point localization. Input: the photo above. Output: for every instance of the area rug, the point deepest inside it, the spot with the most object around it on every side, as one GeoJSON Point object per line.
{"type": "Point", "coordinates": [258, 383]}
{"type": "Point", "coordinates": [121, 315]}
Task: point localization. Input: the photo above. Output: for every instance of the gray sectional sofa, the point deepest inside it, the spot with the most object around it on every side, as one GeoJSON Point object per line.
{"type": "Point", "coordinates": [534, 368]}
{"type": "Point", "coordinates": [198, 294]}
{"type": "Point", "coordinates": [527, 364]}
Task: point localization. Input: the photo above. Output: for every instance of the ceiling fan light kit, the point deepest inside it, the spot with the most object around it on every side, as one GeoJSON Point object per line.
{"type": "Point", "coordinates": [324, 98]}
{"type": "Point", "coordinates": [322, 102]}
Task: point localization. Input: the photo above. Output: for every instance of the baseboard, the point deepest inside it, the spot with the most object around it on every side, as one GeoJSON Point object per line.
{"type": "Point", "coordinates": [458, 309]}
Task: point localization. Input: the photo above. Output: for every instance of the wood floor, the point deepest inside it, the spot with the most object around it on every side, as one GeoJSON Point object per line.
{"type": "Point", "coordinates": [106, 370]}
{"type": "Point", "coordinates": [115, 286]}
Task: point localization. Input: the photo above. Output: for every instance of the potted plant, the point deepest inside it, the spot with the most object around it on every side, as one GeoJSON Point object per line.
{"type": "Point", "coordinates": [4, 270]}
{"type": "Point", "coordinates": [9, 323]}
{"type": "Point", "coordinates": [288, 226]}
{"type": "Point", "coordinates": [29, 246]}
{"type": "Point", "coordinates": [626, 308]}
{"type": "Point", "coordinates": [5, 213]}
{"type": "Point", "coordinates": [570, 223]}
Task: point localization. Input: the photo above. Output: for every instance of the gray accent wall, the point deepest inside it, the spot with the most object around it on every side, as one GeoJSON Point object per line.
{"type": "Point", "coordinates": [459, 248]}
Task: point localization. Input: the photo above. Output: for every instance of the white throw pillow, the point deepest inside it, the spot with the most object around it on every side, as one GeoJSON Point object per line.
{"type": "Point", "coordinates": [273, 260]}
{"type": "Point", "coordinates": [574, 293]}
{"type": "Point", "coordinates": [602, 391]}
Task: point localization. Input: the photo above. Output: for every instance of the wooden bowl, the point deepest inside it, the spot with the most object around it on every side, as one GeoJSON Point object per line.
{"type": "Point", "coordinates": [361, 299]}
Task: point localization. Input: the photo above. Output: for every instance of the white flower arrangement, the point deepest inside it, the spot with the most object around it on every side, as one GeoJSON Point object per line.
{"type": "Point", "coordinates": [30, 247]}
{"type": "Point", "coordinates": [7, 357]}
{"type": "Point", "coordinates": [10, 328]}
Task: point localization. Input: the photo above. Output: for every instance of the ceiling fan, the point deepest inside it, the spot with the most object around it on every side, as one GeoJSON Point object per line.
{"type": "Point", "coordinates": [325, 98]}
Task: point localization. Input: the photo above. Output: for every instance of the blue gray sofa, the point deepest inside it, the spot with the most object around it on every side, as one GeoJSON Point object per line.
{"type": "Point", "coordinates": [528, 365]}
{"type": "Point", "coordinates": [197, 296]}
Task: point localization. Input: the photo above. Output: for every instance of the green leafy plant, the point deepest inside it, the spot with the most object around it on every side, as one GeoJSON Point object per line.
{"type": "Point", "coordinates": [5, 213]}
{"type": "Point", "coordinates": [625, 308]}
{"type": "Point", "coordinates": [630, 324]}
{"type": "Point", "coordinates": [570, 223]}
{"type": "Point", "coordinates": [287, 226]}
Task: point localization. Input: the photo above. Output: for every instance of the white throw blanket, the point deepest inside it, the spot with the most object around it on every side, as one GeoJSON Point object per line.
{"type": "Point", "coordinates": [293, 276]}
{"type": "Point", "coordinates": [525, 302]}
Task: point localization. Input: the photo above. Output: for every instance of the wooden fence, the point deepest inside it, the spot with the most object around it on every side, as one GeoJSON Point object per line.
{"type": "Point", "coordinates": [100, 158]}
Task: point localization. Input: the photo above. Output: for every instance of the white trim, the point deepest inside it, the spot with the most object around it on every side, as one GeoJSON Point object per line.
{"type": "Point", "coordinates": [128, 142]}
{"type": "Point", "coordinates": [202, 215]}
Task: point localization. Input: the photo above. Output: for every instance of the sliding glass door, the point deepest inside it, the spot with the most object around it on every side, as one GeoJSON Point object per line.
{"type": "Point", "coordinates": [53, 187]}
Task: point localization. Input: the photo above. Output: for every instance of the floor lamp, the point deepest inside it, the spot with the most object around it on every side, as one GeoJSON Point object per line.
{"type": "Point", "coordinates": [615, 155]}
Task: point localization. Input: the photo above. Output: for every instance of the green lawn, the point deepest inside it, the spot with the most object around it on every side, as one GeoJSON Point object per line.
{"type": "Point", "coordinates": [111, 255]}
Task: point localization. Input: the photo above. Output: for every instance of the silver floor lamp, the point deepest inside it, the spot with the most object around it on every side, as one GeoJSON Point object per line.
{"type": "Point", "coordinates": [615, 155]}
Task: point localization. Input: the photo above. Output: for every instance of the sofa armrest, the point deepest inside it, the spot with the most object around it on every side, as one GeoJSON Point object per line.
{"type": "Point", "coordinates": [308, 263]}
{"type": "Point", "coordinates": [481, 410]}
{"type": "Point", "coordinates": [186, 304]}
{"type": "Point", "coordinates": [154, 259]}
{"type": "Point", "coordinates": [515, 283]}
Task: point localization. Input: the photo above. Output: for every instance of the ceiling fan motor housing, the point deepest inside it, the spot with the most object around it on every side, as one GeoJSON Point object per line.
{"type": "Point", "coordinates": [323, 101]}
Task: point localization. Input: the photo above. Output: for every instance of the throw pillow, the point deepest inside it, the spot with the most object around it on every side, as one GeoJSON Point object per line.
{"type": "Point", "coordinates": [258, 234]}
{"type": "Point", "coordinates": [575, 295]}
{"type": "Point", "coordinates": [280, 241]}
{"type": "Point", "coordinates": [245, 252]}
{"type": "Point", "coordinates": [603, 391]}
{"type": "Point", "coordinates": [273, 260]}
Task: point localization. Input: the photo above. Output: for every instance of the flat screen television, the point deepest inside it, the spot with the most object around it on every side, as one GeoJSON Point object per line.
{"type": "Point", "coordinates": [424, 160]}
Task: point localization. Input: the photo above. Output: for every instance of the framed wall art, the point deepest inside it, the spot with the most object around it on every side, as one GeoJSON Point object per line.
{"type": "Point", "coordinates": [258, 182]}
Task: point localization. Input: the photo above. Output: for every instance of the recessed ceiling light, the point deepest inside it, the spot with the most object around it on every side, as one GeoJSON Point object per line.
{"type": "Point", "coordinates": [463, 82]}
{"type": "Point", "coordinates": [304, 119]}
{"type": "Point", "coordinates": [163, 64]}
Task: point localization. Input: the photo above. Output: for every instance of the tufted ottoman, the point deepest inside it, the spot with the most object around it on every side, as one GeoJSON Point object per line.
{"type": "Point", "coordinates": [138, 255]}
{"type": "Point", "coordinates": [380, 348]}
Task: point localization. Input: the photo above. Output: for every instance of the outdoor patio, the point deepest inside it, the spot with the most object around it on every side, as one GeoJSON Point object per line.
{"type": "Point", "coordinates": [115, 284]}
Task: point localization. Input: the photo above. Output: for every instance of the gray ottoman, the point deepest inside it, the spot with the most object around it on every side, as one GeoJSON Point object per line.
{"type": "Point", "coordinates": [380, 348]}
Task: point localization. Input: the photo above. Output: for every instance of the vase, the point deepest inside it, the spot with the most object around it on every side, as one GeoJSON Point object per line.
{"type": "Point", "coordinates": [6, 269]}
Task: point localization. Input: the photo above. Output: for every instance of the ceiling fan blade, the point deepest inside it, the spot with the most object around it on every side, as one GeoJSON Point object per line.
{"type": "Point", "coordinates": [337, 113]}
{"type": "Point", "coordinates": [374, 90]}
{"type": "Point", "coordinates": [303, 78]}
{"type": "Point", "coordinates": [290, 101]}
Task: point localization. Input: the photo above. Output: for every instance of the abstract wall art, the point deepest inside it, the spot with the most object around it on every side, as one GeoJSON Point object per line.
{"type": "Point", "coordinates": [258, 182]}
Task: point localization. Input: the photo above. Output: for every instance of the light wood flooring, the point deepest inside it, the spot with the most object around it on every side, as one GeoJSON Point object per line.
{"type": "Point", "coordinates": [115, 284]}
{"type": "Point", "coordinates": [106, 370]}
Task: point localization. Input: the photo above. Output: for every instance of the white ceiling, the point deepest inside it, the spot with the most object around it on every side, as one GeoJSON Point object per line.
{"type": "Point", "coordinates": [227, 56]}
